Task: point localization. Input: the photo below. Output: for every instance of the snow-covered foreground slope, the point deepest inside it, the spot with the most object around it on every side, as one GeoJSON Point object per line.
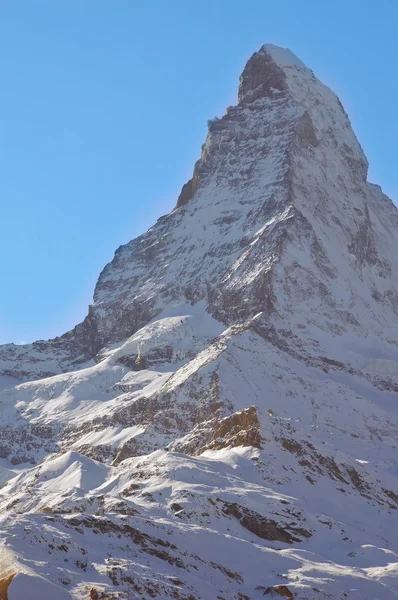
{"type": "Point", "coordinates": [224, 423]}
{"type": "Point", "coordinates": [239, 470]}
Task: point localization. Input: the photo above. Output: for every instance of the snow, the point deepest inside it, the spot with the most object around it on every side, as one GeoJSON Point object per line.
{"type": "Point", "coordinates": [35, 588]}
{"type": "Point", "coordinates": [283, 57]}
{"type": "Point", "coordinates": [7, 382]}
{"type": "Point", "coordinates": [351, 546]}
{"type": "Point", "coordinates": [183, 327]}
{"type": "Point", "coordinates": [382, 365]}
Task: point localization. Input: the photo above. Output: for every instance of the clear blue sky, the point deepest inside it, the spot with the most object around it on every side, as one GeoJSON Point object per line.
{"type": "Point", "coordinates": [103, 111]}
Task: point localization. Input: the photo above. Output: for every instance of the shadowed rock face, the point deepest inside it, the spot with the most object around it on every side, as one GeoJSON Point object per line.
{"type": "Point", "coordinates": [261, 77]}
{"type": "Point", "coordinates": [264, 528]}
{"type": "Point", "coordinates": [188, 190]}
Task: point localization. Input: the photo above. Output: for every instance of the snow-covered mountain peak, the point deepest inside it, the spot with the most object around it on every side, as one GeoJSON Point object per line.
{"type": "Point", "coordinates": [223, 424]}
{"type": "Point", "coordinates": [274, 73]}
{"type": "Point", "coordinates": [283, 57]}
{"type": "Point", "coordinates": [280, 174]}
{"type": "Point", "coordinates": [266, 73]}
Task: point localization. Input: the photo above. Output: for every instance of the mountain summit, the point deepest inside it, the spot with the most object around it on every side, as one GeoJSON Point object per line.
{"type": "Point", "coordinates": [223, 424]}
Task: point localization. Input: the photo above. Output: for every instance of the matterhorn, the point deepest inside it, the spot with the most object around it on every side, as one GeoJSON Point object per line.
{"type": "Point", "coordinates": [223, 425]}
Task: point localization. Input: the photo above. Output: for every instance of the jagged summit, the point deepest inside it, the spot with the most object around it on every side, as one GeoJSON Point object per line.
{"type": "Point", "coordinates": [265, 73]}
{"type": "Point", "coordinates": [223, 424]}
{"type": "Point", "coordinates": [275, 71]}
{"type": "Point", "coordinates": [283, 57]}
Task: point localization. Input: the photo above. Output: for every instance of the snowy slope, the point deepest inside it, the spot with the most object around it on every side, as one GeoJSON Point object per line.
{"type": "Point", "coordinates": [224, 422]}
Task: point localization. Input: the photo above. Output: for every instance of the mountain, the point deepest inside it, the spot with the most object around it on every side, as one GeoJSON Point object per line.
{"type": "Point", "coordinates": [223, 424]}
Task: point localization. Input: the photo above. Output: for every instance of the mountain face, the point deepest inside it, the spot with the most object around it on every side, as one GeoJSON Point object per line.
{"type": "Point", "coordinates": [224, 422]}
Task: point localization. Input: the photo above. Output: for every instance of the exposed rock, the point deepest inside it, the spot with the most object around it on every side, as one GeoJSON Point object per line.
{"type": "Point", "coordinates": [4, 585]}
{"type": "Point", "coordinates": [266, 529]}
{"type": "Point", "coordinates": [188, 190]}
{"type": "Point", "coordinates": [279, 590]}
{"type": "Point", "coordinates": [261, 77]}
{"type": "Point", "coordinates": [240, 429]}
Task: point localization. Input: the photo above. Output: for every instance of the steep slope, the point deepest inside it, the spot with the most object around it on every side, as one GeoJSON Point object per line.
{"type": "Point", "coordinates": [224, 423]}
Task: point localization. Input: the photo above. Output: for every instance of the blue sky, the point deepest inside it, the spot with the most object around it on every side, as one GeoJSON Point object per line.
{"type": "Point", "coordinates": [103, 112]}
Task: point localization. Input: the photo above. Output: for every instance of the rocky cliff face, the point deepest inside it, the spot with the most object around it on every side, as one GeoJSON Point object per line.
{"type": "Point", "coordinates": [226, 415]}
